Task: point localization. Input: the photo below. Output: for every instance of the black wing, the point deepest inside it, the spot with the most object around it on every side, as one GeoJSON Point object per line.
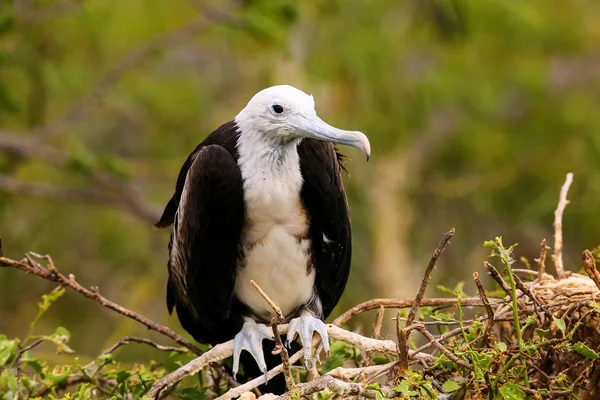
{"type": "Point", "coordinates": [207, 210]}
{"type": "Point", "coordinates": [324, 197]}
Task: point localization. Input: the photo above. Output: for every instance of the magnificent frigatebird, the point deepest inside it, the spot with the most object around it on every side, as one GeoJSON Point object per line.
{"type": "Point", "coordinates": [261, 198]}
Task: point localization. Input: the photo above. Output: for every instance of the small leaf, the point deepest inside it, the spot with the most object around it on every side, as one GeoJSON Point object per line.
{"type": "Point", "coordinates": [324, 394]}
{"type": "Point", "coordinates": [501, 346]}
{"type": "Point", "coordinates": [510, 391]}
{"type": "Point", "coordinates": [585, 351]}
{"type": "Point", "coordinates": [402, 387]}
{"type": "Point", "coordinates": [373, 386]}
{"type": "Point", "coordinates": [450, 386]}
{"type": "Point", "coordinates": [489, 243]}
{"type": "Point", "coordinates": [8, 349]}
{"type": "Point", "coordinates": [560, 324]}
{"type": "Point", "coordinates": [60, 338]}
{"type": "Point", "coordinates": [379, 360]}
{"type": "Point", "coordinates": [541, 332]}
{"type": "Point", "coordinates": [529, 320]}
{"type": "Point", "coordinates": [122, 376]}
{"type": "Point", "coordinates": [192, 393]}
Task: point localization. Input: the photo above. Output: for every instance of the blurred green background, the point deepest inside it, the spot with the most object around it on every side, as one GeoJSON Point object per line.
{"type": "Point", "coordinates": [475, 109]}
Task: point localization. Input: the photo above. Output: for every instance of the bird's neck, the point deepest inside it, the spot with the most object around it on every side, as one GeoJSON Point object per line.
{"type": "Point", "coordinates": [270, 169]}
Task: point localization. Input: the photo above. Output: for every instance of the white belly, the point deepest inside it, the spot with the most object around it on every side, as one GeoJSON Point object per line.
{"type": "Point", "coordinates": [280, 266]}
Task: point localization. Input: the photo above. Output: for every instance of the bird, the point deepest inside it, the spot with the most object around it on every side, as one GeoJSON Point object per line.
{"type": "Point", "coordinates": [261, 198]}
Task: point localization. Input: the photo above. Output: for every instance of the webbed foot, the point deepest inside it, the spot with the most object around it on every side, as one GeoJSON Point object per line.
{"type": "Point", "coordinates": [250, 339]}
{"type": "Point", "coordinates": [305, 326]}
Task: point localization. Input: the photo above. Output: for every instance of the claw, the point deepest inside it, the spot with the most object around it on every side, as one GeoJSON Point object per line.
{"type": "Point", "coordinates": [305, 326]}
{"type": "Point", "coordinates": [250, 339]}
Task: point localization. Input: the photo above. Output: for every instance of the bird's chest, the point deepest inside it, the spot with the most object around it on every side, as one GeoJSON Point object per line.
{"type": "Point", "coordinates": [276, 248]}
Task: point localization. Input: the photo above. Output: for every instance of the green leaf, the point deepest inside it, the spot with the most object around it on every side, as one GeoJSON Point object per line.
{"type": "Point", "coordinates": [489, 243]}
{"type": "Point", "coordinates": [450, 386]}
{"type": "Point", "coordinates": [541, 332]}
{"type": "Point", "coordinates": [529, 320]}
{"type": "Point", "coordinates": [43, 306]}
{"type": "Point", "coordinates": [510, 391]}
{"type": "Point", "coordinates": [57, 375]}
{"type": "Point", "coordinates": [585, 351]}
{"type": "Point", "coordinates": [402, 387]}
{"type": "Point", "coordinates": [122, 376]}
{"type": "Point", "coordinates": [373, 386]}
{"type": "Point", "coordinates": [560, 324]}
{"type": "Point", "coordinates": [8, 349]}
{"type": "Point", "coordinates": [324, 394]}
{"type": "Point", "coordinates": [501, 347]}
{"type": "Point", "coordinates": [60, 338]}
{"type": "Point", "coordinates": [192, 393]}
{"type": "Point", "coordinates": [379, 360]}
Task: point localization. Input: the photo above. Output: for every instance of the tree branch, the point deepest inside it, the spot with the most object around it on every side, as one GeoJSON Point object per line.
{"type": "Point", "coordinates": [558, 237]}
{"type": "Point", "coordinates": [406, 303]}
{"type": "Point", "coordinates": [339, 388]}
{"type": "Point", "coordinates": [132, 339]}
{"type": "Point", "coordinates": [225, 350]}
{"type": "Point", "coordinates": [52, 274]}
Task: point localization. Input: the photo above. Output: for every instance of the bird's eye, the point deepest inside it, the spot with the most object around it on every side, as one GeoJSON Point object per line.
{"type": "Point", "coordinates": [277, 109]}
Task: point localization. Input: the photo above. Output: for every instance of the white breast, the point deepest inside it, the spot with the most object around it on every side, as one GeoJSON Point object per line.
{"type": "Point", "coordinates": [275, 243]}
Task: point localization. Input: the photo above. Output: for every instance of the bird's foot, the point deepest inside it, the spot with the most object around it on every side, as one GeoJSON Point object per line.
{"type": "Point", "coordinates": [250, 339]}
{"type": "Point", "coordinates": [305, 326]}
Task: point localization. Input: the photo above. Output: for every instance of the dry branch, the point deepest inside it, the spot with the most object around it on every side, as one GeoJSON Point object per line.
{"type": "Point", "coordinates": [541, 262]}
{"type": "Point", "coordinates": [406, 303]}
{"type": "Point", "coordinates": [132, 339]}
{"type": "Point", "coordinates": [421, 328]}
{"type": "Point", "coordinates": [589, 265]}
{"type": "Point", "coordinates": [486, 304]}
{"type": "Point", "coordinates": [52, 274]}
{"type": "Point", "coordinates": [339, 388]}
{"type": "Point", "coordinates": [558, 237]}
{"type": "Point", "coordinates": [225, 350]}
{"type": "Point", "coordinates": [279, 347]}
{"type": "Point", "coordinates": [254, 383]}
{"type": "Point", "coordinates": [432, 262]}
{"type": "Point", "coordinates": [18, 363]}
{"type": "Point", "coordinates": [497, 277]}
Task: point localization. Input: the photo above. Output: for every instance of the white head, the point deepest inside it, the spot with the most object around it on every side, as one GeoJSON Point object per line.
{"type": "Point", "coordinates": [284, 114]}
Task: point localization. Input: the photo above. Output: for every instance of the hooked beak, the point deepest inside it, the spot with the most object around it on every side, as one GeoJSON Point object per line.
{"type": "Point", "coordinates": [315, 128]}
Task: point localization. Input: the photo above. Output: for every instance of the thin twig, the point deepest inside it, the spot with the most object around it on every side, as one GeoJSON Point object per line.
{"type": "Point", "coordinates": [18, 363]}
{"type": "Point", "coordinates": [132, 339]}
{"type": "Point", "coordinates": [541, 262]}
{"type": "Point", "coordinates": [271, 303]}
{"type": "Point", "coordinates": [497, 277]}
{"type": "Point", "coordinates": [589, 265]}
{"type": "Point", "coordinates": [441, 347]}
{"type": "Point", "coordinates": [279, 347]}
{"type": "Point", "coordinates": [486, 304]}
{"type": "Point", "coordinates": [402, 335]}
{"type": "Point", "coordinates": [351, 373]}
{"type": "Point", "coordinates": [376, 334]}
{"type": "Point", "coordinates": [70, 282]}
{"type": "Point", "coordinates": [558, 236]}
{"type": "Point", "coordinates": [406, 303]}
{"type": "Point", "coordinates": [436, 255]}
{"type": "Point", "coordinates": [529, 293]}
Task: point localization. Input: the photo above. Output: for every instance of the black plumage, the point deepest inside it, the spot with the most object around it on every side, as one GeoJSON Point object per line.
{"type": "Point", "coordinates": [208, 216]}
